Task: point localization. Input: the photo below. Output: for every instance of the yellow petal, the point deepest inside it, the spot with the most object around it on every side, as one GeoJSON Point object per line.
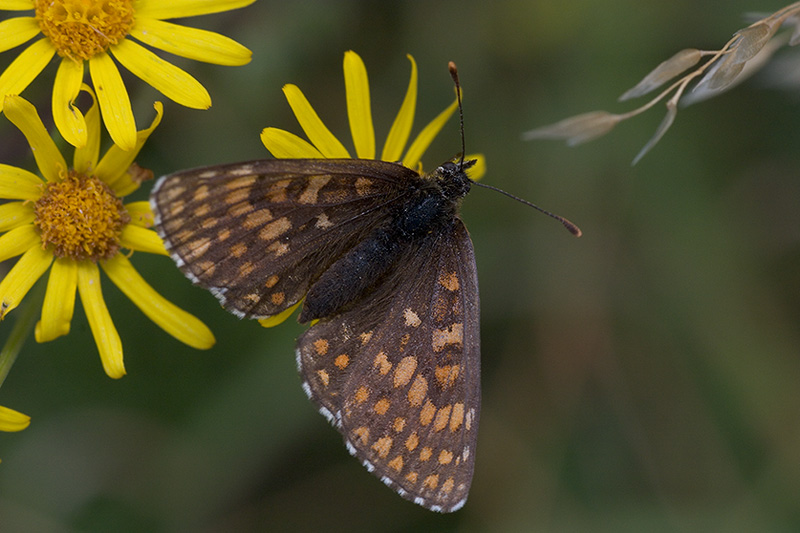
{"type": "Point", "coordinates": [174, 83]}
{"type": "Point", "coordinates": [124, 189]}
{"type": "Point", "coordinates": [18, 241]}
{"type": "Point", "coordinates": [24, 116]}
{"type": "Point", "coordinates": [19, 184]}
{"type": "Point", "coordinates": [15, 214]}
{"type": "Point", "coordinates": [85, 157]}
{"type": "Point", "coordinates": [16, 284]}
{"type": "Point", "coordinates": [22, 71]}
{"type": "Point", "coordinates": [170, 9]}
{"type": "Point", "coordinates": [401, 128]}
{"type": "Point", "coordinates": [280, 318]}
{"type": "Point", "coordinates": [114, 165]}
{"type": "Point", "coordinates": [15, 31]}
{"type": "Point", "coordinates": [141, 239]}
{"type": "Point", "coordinates": [200, 45]}
{"type": "Point", "coordinates": [427, 135]}
{"type": "Point", "coordinates": [175, 321]}
{"type": "Point", "coordinates": [11, 420]}
{"type": "Point", "coordinates": [105, 334]}
{"type": "Point", "coordinates": [59, 300]}
{"type": "Point", "coordinates": [316, 131]}
{"type": "Point", "coordinates": [16, 5]}
{"type": "Point", "coordinates": [359, 112]}
{"type": "Point", "coordinates": [478, 170]}
{"type": "Point", "coordinates": [114, 102]}
{"type": "Point", "coordinates": [284, 145]}
{"type": "Point", "coordinates": [68, 118]}
{"type": "Point", "coordinates": [141, 214]}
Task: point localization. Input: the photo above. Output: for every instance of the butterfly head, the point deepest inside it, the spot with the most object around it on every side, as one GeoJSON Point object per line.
{"type": "Point", "coordinates": [452, 178]}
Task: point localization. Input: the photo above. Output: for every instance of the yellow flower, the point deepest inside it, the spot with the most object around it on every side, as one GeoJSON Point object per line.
{"type": "Point", "coordinates": [74, 220]}
{"type": "Point", "coordinates": [283, 144]}
{"type": "Point", "coordinates": [91, 31]}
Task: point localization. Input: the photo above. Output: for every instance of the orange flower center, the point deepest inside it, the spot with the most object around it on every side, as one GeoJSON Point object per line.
{"type": "Point", "coordinates": [80, 217]}
{"type": "Point", "coordinates": [81, 29]}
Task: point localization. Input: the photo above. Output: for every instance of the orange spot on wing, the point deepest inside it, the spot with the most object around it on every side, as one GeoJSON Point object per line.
{"type": "Point", "coordinates": [446, 375]}
{"type": "Point", "coordinates": [257, 218]}
{"type": "Point", "coordinates": [365, 337]}
{"type": "Point", "coordinates": [201, 193]}
{"type": "Point", "coordinates": [240, 209]}
{"type": "Point", "coordinates": [238, 197]}
{"type": "Point", "coordinates": [449, 281]}
{"type": "Point", "coordinates": [362, 434]}
{"type": "Point", "coordinates": [381, 406]}
{"type": "Point", "coordinates": [412, 318]}
{"type": "Point", "coordinates": [315, 183]}
{"type": "Point", "coordinates": [382, 363]}
{"type": "Point", "coordinates": [207, 267]}
{"type": "Point", "coordinates": [431, 482]}
{"type": "Point", "coordinates": [275, 229]}
{"type": "Point", "coordinates": [246, 268]}
{"type": "Point", "coordinates": [412, 442]}
{"type": "Point", "coordinates": [447, 486]}
{"type": "Point", "coordinates": [427, 412]}
{"type": "Point", "coordinates": [198, 248]}
{"type": "Point", "coordinates": [442, 417]}
{"type": "Point", "coordinates": [404, 370]}
{"type": "Point", "coordinates": [457, 418]}
{"type": "Point", "coordinates": [361, 395]}
{"type": "Point", "coordinates": [278, 298]}
{"type": "Point", "coordinates": [321, 346]}
{"type": "Point", "coordinates": [417, 391]}
{"type": "Point", "coordinates": [278, 248]}
{"type": "Point", "coordinates": [382, 446]}
{"type": "Point", "coordinates": [425, 453]}
{"type": "Point", "coordinates": [277, 191]}
{"type": "Point", "coordinates": [445, 457]}
{"type": "Point", "coordinates": [452, 335]}
{"type": "Point", "coordinates": [342, 361]}
{"type": "Point", "coordinates": [396, 463]}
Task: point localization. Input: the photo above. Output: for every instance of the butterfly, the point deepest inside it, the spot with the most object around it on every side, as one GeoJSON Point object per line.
{"type": "Point", "coordinates": [385, 265]}
{"type": "Point", "coordinates": [385, 270]}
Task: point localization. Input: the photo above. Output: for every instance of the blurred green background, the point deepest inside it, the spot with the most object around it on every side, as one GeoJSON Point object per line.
{"type": "Point", "coordinates": [641, 378]}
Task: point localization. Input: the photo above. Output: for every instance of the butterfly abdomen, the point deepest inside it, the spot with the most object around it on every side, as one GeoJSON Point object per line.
{"type": "Point", "coordinates": [352, 276]}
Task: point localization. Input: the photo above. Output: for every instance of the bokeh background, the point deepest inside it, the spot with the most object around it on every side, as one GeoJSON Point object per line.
{"type": "Point", "coordinates": [641, 378]}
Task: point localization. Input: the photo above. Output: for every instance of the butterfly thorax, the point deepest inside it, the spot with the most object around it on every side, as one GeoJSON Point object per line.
{"type": "Point", "coordinates": [431, 202]}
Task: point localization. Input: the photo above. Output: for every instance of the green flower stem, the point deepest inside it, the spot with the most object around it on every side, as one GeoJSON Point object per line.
{"type": "Point", "coordinates": [26, 320]}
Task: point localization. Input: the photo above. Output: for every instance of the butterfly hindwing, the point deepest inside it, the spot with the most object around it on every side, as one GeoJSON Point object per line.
{"type": "Point", "coordinates": [259, 234]}
{"type": "Point", "coordinates": [398, 375]}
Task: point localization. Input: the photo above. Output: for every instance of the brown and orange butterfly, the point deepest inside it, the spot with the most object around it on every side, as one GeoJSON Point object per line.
{"type": "Point", "coordinates": [387, 268]}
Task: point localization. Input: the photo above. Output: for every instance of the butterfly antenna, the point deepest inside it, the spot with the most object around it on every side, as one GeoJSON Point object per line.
{"type": "Point", "coordinates": [572, 228]}
{"type": "Point", "coordinates": [454, 74]}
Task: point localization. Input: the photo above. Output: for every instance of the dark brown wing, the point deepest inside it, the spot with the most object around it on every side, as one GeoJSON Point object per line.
{"type": "Point", "coordinates": [258, 234]}
{"type": "Point", "coordinates": [399, 374]}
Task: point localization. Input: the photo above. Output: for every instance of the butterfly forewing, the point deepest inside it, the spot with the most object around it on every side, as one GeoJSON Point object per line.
{"type": "Point", "coordinates": [259, 234]}
{"type": "Point", "coordinates": [399, 376]}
